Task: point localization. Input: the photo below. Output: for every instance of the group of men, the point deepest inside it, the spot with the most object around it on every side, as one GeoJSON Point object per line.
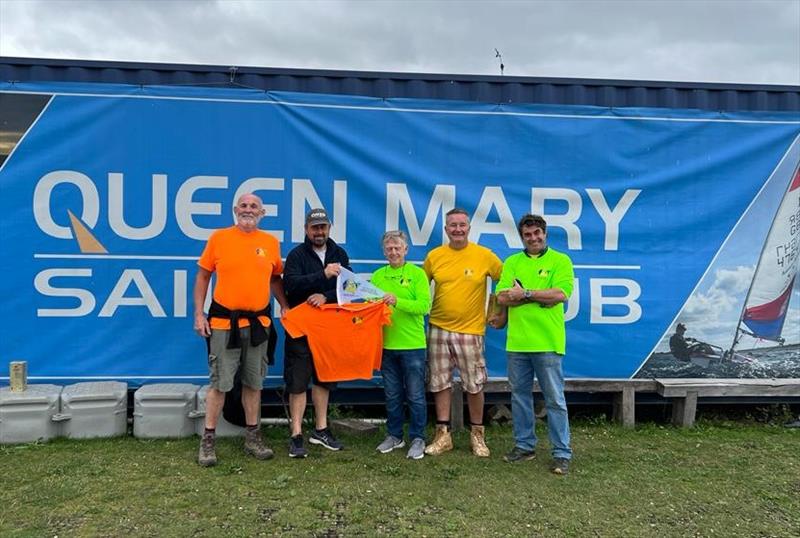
{"type": "Point", "coordinates": [532, 285]}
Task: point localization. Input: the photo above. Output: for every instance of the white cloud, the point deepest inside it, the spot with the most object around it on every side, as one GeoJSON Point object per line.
{"type": "Point", "coordinates": [723, 297]}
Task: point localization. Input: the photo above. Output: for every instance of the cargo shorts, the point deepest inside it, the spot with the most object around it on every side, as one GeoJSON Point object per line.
{"type": "Point", "coordinates": [448, 350]}
{"type": "Point", "coordinates": [223, 363]}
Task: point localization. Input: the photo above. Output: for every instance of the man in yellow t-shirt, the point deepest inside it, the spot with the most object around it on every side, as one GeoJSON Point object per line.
{"type": "Point", "coordinates": [457, 326]}
{"type": "Point", "coordinates": [248, 265]}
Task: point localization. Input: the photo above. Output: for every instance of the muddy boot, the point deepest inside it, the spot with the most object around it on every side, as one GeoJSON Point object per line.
{"type": "Point", "coordinates": [442, 441]}
{"type": "Point", "coordinates": [254, 445]}
{"type": "Point", "coordinates": [207, 456]}
{"type": "Point", "coordinates": [478, 443]}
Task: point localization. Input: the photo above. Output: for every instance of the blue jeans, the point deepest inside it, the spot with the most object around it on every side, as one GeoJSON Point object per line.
{"type": "Point", "coordinates": [547, 368]}
{"type": "Point", "coordinates": [404, 382]}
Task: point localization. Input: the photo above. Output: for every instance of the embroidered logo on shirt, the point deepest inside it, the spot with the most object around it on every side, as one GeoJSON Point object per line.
{"type": "Point", "coordinates": [468, 272]}
{"type": "Point", "coordinates": [544, 273]}
{"type": "Point", "coordinates": [261, 252]}
{"type": "Point", "coordinates": [357, 319]}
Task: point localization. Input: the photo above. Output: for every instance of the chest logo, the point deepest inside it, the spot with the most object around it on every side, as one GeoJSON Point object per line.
{"type": "Point", "coordinates": [357, 320]}
{"type": "Point", "coordinates": [260, 252]}
{"type": "Point", "coordinates": [468, 272]}
{"type": "Point", "coordinates": [544, 273]}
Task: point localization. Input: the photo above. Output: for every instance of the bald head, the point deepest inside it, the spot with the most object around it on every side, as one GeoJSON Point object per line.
{"type": "Point", "coordinates": [248, 211]}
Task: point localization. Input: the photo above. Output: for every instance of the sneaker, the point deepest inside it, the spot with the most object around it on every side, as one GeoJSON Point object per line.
{"type": "Point", "coordinates": [560, 466]}
{"type": "Point", "coordinates": [518, 454]}
{"type": "Point", "coordinates": [207, 456]}
{"type": "Point", "coordinates": [296, 448]}
{"type": "Point", "coordinates": [478, 443]}
{"type": "Point", "coordinates": [417, 450]}
{"type": "Point", "coordinates": [325, 438]}
{"type": "Point", "coordinates": [390, 443]}
{"type": "Point", "coordinates": [442, 441]}
{"type": "Point", "coordinates": [254, 445]}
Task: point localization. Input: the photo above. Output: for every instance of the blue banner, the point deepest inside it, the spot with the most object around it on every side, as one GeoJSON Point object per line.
{"type": "Point", "coordinates": [111, 191]}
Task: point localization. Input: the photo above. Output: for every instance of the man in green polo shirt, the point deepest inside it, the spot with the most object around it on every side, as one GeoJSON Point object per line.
{"type": "Point", "coordinates": [534, 285]}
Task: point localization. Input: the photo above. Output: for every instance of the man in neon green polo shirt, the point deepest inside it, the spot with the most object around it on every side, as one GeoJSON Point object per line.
{"type": "Point", "coordinates": [534, 284]}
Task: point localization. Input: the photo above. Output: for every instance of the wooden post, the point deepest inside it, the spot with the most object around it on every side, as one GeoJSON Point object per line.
{"type": "Point", "coordinates": [684, 410]}
{"type": "Point", "coordinates": [457, 407]}
{"type": "Point", "coordinates": [624, 409]}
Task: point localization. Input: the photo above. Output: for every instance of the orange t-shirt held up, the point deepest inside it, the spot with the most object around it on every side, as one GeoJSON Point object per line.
{"type": "Point", "coordinates": [346, 341]}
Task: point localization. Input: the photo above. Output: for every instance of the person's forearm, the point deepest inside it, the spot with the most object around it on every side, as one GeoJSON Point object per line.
{"type": "Point", "coordinates": [504, 299]}
{"type": "Point", "coordinates": [276, 287]}
{"type": "Point", "coordinates": [547, 297]}
{"type": "Point", "coordinates": [200, 290]}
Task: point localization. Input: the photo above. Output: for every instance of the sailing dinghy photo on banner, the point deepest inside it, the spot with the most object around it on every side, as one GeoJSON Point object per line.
{"type": "Point", "coordinates": [743, 320]}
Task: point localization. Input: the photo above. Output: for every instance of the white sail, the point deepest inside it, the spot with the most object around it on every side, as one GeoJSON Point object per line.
{"type": "Point", "coordinates": [768, 299]}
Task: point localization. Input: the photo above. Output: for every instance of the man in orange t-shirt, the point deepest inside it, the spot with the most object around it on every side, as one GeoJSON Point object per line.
{"type": "Point", "coordinates": [248, 266]}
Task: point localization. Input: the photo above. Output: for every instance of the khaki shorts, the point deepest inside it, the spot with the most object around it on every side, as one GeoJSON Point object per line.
{"type": "Point", "coordinates": [223, 363]}
{"type": "Point", "coordinates": [448, 350]}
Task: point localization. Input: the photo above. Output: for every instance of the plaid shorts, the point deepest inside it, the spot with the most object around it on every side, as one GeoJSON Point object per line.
{"type": "Point", "coordinates": [448, 350]}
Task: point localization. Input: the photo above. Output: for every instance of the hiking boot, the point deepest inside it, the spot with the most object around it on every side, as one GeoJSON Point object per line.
{"type": "Point", "coordinates": [478, 443]}
{"type": "Point", "coordinates": [207, 456]}
{"type": "Point", "coordinates": [442, 441]}
{"type": "Point", "coordinates": [325, 438]}
{"type": "Point", "coordinates": [518, 454]}
{"type": "Point", "coordinates": [254, 445]}
{"type": "Point", "coordinates": [296, 448]}
{"type": "Point", "coordinates": [390, 443]}
{"type": "Point", "coordinates": [417, 450]}
{"type": "Point", "coordinates": [560, 466]}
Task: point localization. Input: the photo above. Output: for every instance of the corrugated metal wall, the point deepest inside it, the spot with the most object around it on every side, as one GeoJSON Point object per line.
{"type": "Point", "coordinates": [488, 89]}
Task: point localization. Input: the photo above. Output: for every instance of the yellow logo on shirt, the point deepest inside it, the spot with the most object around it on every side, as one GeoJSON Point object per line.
{"type": "Point", "coordinates": [357, 319]}
{"type": "Point", "coordinates": [261, 252]}
{"type": "Point", "coordinates": [468, 272]}
{"type": "Point", "coordinates": [544, 273]}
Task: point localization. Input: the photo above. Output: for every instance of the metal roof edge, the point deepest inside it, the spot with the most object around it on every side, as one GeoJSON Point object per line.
{"type": "Point", "coordinates": [378, 75]}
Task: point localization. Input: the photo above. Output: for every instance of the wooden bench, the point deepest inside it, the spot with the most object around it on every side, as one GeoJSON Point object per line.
{"type": "Point", "coordinates": [685, 392]}
{"type": "Point", "coordinates": [624, 406]}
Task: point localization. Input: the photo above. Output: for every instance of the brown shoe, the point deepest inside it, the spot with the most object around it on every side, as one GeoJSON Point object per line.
{"type": "Point", "coordinates": [476, 440]}
{"type": "Point", "coordinates": [207, 456]}
{"type": "Point", "coordinates": [254, 445]}
{"type": "Point", "coordinates": [442, 441]}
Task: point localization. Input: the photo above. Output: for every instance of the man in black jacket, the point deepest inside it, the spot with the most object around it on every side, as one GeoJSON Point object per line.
{"type": "Point", "coordinates": [310, 276]}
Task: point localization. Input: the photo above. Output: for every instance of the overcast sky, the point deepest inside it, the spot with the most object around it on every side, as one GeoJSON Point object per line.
{"type": "Point", "coordinates": [712, 41]}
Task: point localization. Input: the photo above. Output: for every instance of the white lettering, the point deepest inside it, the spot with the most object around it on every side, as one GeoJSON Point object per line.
{"type": "Point", "coordinates": [116, 213]}
{"type": "Point", "coordinates": [146, 298]}
{"type": "Point", "coordinates": [85, 299]}
{"type": "Point", "coordinates": [304, 195]}
{"type": "Point", "coordinates": [610, 217]}
{"type": "Point", "coordinates": [398, 198]}
{"type": "Point", "coordinates": [41, 201]}
{"type": "Point", "coordinates": [567, 220]}
{"type": "Point", "coordinates": [255, 184]}
{"type": "Point", "coordinates": [634, 309]}
{"type": "Point", "coordinates": [179, 293]}
{"type": "Point", "coordinates": [493, 197]}
{"type": "Point", "coordinates": [185, 208]}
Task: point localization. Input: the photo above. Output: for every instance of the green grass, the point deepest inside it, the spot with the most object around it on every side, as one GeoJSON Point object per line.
{"type": "Point", "coordinates": [718, 479]}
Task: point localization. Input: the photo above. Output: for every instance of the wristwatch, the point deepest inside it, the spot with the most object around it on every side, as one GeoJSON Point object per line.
{"type": "Point", "coordinates": [528, 295]}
